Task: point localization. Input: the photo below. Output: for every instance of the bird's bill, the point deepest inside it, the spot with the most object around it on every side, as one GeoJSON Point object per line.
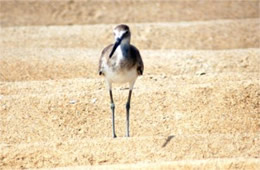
{"type": "Point", "coordinates": [117, 43]}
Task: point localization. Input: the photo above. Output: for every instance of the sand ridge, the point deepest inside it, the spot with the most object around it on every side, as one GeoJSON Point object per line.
{"type": "Point", "coordinates": [196, 106]}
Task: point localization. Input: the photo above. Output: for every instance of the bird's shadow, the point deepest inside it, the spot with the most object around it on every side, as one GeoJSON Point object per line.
{"type": "Point", "coordinates": [167, 140]}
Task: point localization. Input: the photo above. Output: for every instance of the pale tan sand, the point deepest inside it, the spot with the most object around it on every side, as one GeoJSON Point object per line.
{"type": "Point", "coordinates": [212, 35]}
{"type": "Point", "coordinates": [196, 107]}
{"type": "Point", "coordinates": [235, 163]}
{"type": "Point", "coordinates": [70, 12]}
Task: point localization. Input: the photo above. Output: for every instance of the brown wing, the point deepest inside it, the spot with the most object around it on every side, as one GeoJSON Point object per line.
{"type": "Point", "coordinates": [104, 51]}
{"type": "Point", "coordinates": [140, 64]}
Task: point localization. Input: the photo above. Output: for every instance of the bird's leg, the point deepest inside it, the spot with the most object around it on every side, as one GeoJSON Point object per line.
{"type": "Point", "coordinates": [127, 112]}
{"type": "Point", "coordinates": [113, 113]}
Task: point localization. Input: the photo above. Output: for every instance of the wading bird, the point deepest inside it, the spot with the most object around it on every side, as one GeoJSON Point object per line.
{"type": "Point", "coordinates": [121, 62]}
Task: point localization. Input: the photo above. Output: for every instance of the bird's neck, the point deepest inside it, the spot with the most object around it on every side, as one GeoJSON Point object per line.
{"type": "Point", "coordinates": [125, 48]}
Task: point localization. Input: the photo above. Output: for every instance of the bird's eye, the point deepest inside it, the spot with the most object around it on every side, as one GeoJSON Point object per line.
{"type": "Point", "coordinates": [126, 32]}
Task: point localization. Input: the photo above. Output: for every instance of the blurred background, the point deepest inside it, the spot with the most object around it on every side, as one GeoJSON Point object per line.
{"type": "Point", "coordinates": [81, 12]}
{"type": "Point", "coordinates": [196, 24]}
{"type": "Point", "coordinates": [196, 106]}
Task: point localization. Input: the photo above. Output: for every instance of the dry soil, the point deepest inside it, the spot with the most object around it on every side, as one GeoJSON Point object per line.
{"type": "Point", "coordinates": [197, 106]}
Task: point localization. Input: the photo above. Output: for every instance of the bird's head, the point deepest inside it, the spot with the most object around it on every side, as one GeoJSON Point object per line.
{"type": "Point", "coordinates": [122, 35]}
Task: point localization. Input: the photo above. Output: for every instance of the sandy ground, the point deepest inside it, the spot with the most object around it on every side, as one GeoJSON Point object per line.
{"type": "Point", "coordinates": [70, 12]}
{"type": "Point", "coordinates": [196, 107]}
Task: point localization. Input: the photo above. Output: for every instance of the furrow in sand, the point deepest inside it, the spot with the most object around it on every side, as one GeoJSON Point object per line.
{"type": "Point", "coordinates": [207, 35]}
{"type": "Point", "coordinates": [156, 149]}
{"type": "Point", "coordinates": [227, 107]}
{"type": "Point", "coordinates": [20, 64]}
{"type": "Point", "coordinates": [221, 163]}
{"type": "Point", "coordinates": [92, 12]}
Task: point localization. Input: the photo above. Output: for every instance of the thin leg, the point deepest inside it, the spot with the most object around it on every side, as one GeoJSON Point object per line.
{"type": "Point", "coordinates": [113, 114]}
{"type": "Point", "coordinates": [127, 112]}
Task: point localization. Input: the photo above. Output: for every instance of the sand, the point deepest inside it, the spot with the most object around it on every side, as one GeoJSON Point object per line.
{"type": "Point", "coordinates": [197, 106]}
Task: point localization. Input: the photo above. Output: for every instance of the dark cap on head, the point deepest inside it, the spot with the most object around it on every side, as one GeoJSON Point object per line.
{"type": "Point", "coordinates": [122, 27]}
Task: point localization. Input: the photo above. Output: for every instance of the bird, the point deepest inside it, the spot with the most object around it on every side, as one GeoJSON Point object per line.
{"type": "Point", "coordinates": [121, 62]}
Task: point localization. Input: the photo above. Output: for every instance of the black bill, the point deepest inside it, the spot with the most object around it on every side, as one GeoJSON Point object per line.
{"type": "Point", "coordinates": [117, 43]}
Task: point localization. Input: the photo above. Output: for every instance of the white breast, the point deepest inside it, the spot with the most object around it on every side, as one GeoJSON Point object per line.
{"type": "Point", "coordinates": [122, 76]}
{"type": "Point", "coordinates": [118, 74]}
